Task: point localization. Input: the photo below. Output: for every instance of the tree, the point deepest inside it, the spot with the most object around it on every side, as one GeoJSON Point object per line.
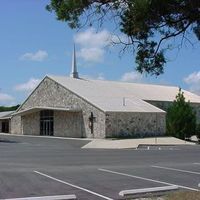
{"type": "Point", "coordinates": [11, 108]}
{"type": "Point", "coordinates": [181, 119]}
{"type": "Point", "coordinates": [148, 24]}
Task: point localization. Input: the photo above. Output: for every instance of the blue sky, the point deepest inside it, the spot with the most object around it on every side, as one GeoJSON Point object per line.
{"type": "Point", "coordinates": [33, 43]}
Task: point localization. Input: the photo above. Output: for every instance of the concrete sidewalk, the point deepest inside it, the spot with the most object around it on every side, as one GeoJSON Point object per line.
{"type": "Point", "coordinates": [133, 143]}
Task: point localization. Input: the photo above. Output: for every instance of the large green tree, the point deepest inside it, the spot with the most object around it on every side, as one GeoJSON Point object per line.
{"type": "Point", "coordinates": [148, 24]}
{"type": "Point", "coordinates": [6, 108]}
{"type": "Point", "coordinates": [181, 118]}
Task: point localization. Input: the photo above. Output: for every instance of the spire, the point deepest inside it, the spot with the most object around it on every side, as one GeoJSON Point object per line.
{"type": "Point", "coordinates": [74, 73]}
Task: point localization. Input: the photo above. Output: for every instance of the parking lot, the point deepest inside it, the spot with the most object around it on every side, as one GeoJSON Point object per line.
{"type": "Point", "coordinates": [39, 166]}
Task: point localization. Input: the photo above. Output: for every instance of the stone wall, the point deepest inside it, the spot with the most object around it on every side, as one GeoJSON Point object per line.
{"type": "Point", "coordinates": [164, 105]}
{"type": "Point", "coordinates": [197, 110]}
{"type": "Point", "coordinates": [51, 94]}
{"type": "Point", "coordinates": [31, 124]}
{"type": "Point", "coordinates": [16, 125]}
{"type": "Point", "coordinates": [68, 124]}
{"type": "Point", "coordinates": [134, 124]}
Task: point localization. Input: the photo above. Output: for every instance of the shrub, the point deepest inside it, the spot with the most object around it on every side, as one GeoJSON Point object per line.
{"type": "Point", "coordinates": [181, 118]}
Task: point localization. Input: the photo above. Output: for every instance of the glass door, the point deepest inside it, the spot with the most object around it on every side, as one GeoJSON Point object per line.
{"type": "Point", "coordinates": [46, 122]}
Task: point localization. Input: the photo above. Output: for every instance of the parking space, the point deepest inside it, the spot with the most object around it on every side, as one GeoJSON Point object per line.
{"type": "Point", "coordinates": [97, 181]}
{"type": "Point", "coordinates": [27, 184]}
{"type": "Point", "coordinates": [32, 167]}
{"type": "Point", "coordinates": [160, 176]}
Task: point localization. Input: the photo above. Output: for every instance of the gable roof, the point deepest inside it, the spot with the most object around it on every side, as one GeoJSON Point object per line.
{"type": "Point", "coordinates": [106, 95]}
{"type": "Point", "coordinates": [141, 91]}
{"type": "Point", "coordinates": [6, 114]}
{"type": "Point", "coordinates": [120, 96]}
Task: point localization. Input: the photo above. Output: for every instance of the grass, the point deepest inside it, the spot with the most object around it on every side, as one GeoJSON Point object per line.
{"type": "Point", "coordinates": [183, 195]}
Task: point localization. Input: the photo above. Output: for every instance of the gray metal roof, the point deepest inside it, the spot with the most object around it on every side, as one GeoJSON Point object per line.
{"type": "Point", "coordinates": [122, 96]}
{"type": "Point", "coordinates": [6, 115]}
{"type": "Point", "coordinates": [106, 95]}
{"type": "Point", "coordinates": [124, 89]}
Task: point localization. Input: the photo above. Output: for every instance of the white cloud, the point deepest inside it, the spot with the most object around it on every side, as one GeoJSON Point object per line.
{"type": "Point", "coordinates": [91, 38]}
{"type": "Point", "coordinates": [91, 54]}
{"type": "Point", "coordinates": [28, 86]}
{"type": "Point", "coordinates": [5, 97]}
{"type": "Point", "coordinates": [100, 76]}
{"type": "Point", "coordinates": [92, 44]}
{"type": "Point", "coordinates": [193, 80]}
{"type": "Point", "coordinates": [132, 77]}
{"type": "Point", "coordinates": [40, 55]}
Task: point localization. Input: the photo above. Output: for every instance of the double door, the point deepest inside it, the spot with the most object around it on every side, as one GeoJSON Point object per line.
{"type": "Point", "coordinates": [46, 122]}
{"type": "Point", "coordinates": [46, 127]}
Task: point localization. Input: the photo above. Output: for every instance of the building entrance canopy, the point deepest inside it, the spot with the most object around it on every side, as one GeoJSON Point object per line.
{"type": "Point", "coordinates": [39, 108]}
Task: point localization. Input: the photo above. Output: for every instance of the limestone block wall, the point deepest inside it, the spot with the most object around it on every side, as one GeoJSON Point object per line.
{"type": "Point", "coordinates": [134, 124]}
{"type": "Point", "coordinates": [164, 105]}
{"type": "Point", "coordinates": [197, 110]}
{"type": "Point", "coordinates": [68, 124]}
{"type": "Point", "coordinates": [51, 94]}
{"type": "Point", "coordinates": [16, 125]}
{"type": "Point", "coordinates": [31, 124]}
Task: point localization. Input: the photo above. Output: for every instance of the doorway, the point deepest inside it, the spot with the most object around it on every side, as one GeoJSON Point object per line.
{"type": "Point", "coordinates": [5, 126]}
{"type": "Point", "coordinates": [47, 122]}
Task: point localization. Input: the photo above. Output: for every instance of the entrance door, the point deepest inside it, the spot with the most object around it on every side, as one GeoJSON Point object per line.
{"type": "Point", "coordinates": [46, 122]}
{"type": "Point", "coordinates": [5, 127]}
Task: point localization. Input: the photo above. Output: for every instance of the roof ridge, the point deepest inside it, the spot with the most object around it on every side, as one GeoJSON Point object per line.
{"type": "Point", "coordinates": [115, 81]}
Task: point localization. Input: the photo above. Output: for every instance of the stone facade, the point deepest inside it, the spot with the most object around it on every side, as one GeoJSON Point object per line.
{"type": "Point", "coordinates": [31, 124]}
{"type": "Point", "coordinates": [51, 94]}
{"type": "Point", "coordinates": [16, 125]}
{"type": "Point", "coordinates": [76, 122]}
{"type": "Point", "coordinates": [164, 105]}
{"type": "Point", "coordinates": [197, 110]}
{"type": "Point", "coordinates": [122, 124]}
{"type": "Point", "coordinates": [70, 122]}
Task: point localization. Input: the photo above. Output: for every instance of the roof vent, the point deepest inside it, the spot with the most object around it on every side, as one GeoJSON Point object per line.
{"type": "Point", "coordinates": [74, 73]}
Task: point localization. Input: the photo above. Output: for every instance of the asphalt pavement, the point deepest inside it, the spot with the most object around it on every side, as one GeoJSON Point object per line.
{"type": "Point", "coordinates": [39, 166]}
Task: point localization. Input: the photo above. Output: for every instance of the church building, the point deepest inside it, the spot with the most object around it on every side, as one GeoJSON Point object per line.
{"type": "Point", "coordinates": [76, 107]}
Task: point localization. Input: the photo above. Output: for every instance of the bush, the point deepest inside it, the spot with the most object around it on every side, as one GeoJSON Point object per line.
{"type": "Point", "coordinates": [181, 118]}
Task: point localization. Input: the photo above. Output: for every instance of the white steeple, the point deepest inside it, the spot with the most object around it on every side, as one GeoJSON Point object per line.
{"type": "Point", "coordinates": [74, 73]}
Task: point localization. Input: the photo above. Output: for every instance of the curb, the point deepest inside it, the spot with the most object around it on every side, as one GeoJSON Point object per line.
{"type": "Point", "coordinates": [145, 191]}
{"type": "Point", "coordinates": [57, 197]}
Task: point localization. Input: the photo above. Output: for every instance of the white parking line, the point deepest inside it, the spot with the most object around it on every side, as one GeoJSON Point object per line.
{"type": "Point", "coordinates": [146, 179]}
{"type": "Point", "coordinates": [75, 186]}
{"type": "Point", "coordinates": [174, 169]}
{"type": "Point", "coordinates": [57, 197]}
